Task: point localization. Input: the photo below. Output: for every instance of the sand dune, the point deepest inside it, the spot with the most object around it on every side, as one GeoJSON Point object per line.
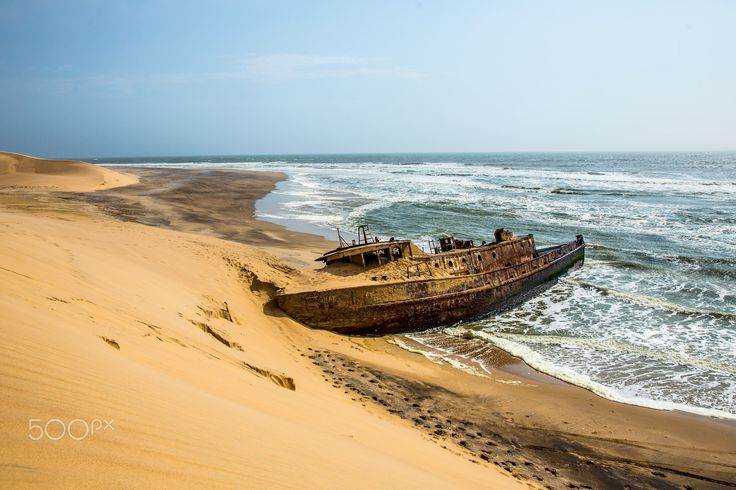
{"type": "Point", "coordinates": [164, 334]}
{"type": "Point", "coordinates": [30, 173]}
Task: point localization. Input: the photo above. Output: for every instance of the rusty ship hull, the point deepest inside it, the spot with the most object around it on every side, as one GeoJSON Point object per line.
{"type": "Point", "coordinates": [425, 303]}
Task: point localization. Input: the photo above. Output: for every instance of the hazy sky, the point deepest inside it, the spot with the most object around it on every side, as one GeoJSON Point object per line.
{"type": "Point", "coordinates": [117, 78]}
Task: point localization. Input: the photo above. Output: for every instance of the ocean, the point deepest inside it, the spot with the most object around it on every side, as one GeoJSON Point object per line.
{"type": "Point", "coordinates": [650, 319]}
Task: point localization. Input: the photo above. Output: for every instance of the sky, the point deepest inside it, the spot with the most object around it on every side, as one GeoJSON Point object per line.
{"type": "Point", "coordinates": [125, 78]}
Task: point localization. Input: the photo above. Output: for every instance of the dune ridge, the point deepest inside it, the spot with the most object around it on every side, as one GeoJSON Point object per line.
{"type": "Point", "coordinates": [31, 173]}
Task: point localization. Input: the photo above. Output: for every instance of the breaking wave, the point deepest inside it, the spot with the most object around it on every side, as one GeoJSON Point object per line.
{"type": "Point", "coordinates": [540, 363]}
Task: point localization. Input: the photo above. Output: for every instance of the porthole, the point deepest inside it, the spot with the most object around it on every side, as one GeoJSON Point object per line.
{"type": "Point", "coordinates": [493, 255]}
{"type": "Point", "coordinates": [479, 258]}
{"type": "Point", "coordinates": [449, 263]}
{"type": "Point", "coordinates": [436, 264]}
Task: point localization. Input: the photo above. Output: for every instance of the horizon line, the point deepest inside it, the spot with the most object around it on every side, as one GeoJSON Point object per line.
{"type": "Point", "coordinates": [287, 154]}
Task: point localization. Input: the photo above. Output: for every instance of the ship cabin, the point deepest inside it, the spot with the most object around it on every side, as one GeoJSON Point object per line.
{"type": "Point", "coordinates": [448, 243]}
{"type": "Point", "coordinates": [369, 254]}
{"type": "Point", "coordinates": [461, 257]}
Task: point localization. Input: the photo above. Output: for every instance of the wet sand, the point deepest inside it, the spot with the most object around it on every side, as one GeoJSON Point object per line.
{"type": "Point", "coordinates": [218, 203]}
{"type": "Point", "coordinates": [540, 429]}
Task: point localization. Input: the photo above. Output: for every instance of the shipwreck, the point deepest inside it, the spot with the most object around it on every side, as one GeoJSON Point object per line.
{"type": "Point", "coordinates": [402, 288]}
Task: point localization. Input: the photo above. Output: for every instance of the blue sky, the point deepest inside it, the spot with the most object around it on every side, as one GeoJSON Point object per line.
{"type": "Point", "coordinates": [119, 78]}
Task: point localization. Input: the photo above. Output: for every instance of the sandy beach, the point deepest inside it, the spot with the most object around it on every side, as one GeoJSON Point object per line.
{"type": "Point", "coordinates": [141, 297]}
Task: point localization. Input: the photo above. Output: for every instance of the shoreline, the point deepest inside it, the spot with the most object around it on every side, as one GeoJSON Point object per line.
{"type": "Point", "coordinates": [268, 204]}
{"type": "Point", "coordinates": [567, 434]}
{"type": "Point", "coordinates": [593, 387]}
